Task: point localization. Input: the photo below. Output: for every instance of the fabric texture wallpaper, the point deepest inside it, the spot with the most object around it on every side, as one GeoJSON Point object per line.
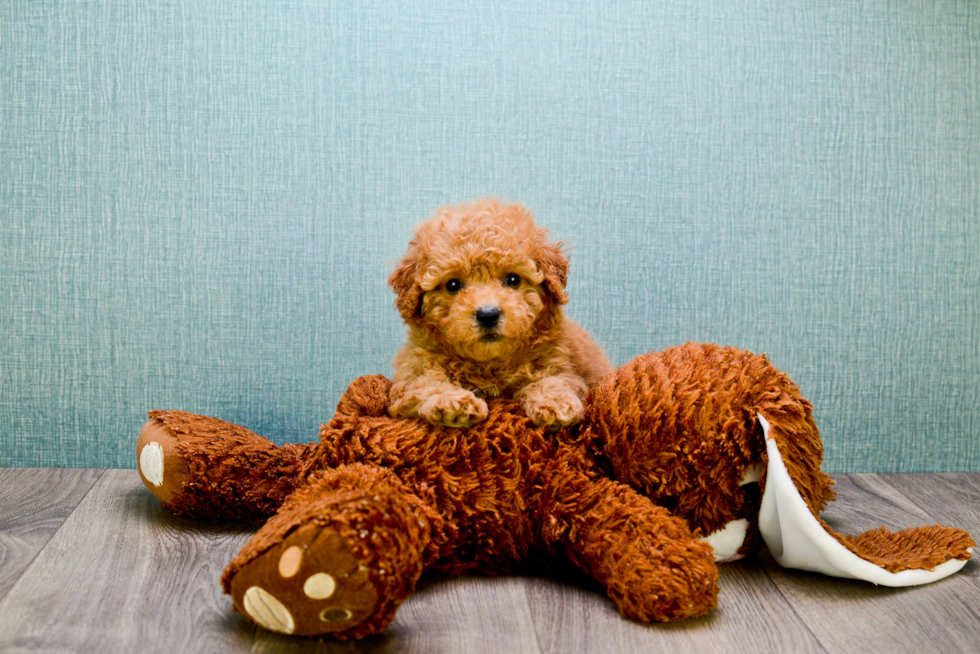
{"type": "Point", "coordinates": [200, 201]}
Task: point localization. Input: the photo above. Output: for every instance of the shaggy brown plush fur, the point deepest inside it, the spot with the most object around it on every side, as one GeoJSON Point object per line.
{"type": "Point", "coordinates": [481, 291]}
{"type": "Point", "coordinates": [676, 423]}
{"type": "Point", "coordinates": [486, 500]}
{"type": "Point", "coordinates": [624, 496]}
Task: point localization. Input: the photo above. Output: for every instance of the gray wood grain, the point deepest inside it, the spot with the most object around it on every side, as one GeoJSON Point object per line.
{"type": "Point", "coordinates": [465, 614]}
{"type": "Point", "coordinates": [468, 614]}
{"type": "Point", "coordinates": [847, 615]}
{"type": "Point", "coordinates": [751, 616]}
{"type": "Point", "coordinates": [123, 575]}
{"type": "Point", "coordinates": [34, 502]}
{"type": "Point", "coordinates": [952, 499]}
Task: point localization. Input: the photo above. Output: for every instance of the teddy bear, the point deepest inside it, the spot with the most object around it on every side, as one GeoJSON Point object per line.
{"type": "Point", "coordinates": [685, 458]}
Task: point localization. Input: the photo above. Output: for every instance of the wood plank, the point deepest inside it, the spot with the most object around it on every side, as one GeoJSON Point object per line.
{"type": "Point", "coordinates": [34, 503]}
{"type": "Point", "coordinates": [465, 614]}
{"type": "Point", "coordinates": [124, 575]}
{"type": "Point", "coordinates": [574, 615]}
{"type": "Point", "coordinates": [951, 499]}
{"type": "Point", "coordinates": [847, 615]}
{"type": "Point", "coordinates": [99, 585]}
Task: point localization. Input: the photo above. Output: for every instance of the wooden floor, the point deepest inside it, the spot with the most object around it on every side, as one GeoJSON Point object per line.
{"type": "Point", "coordinates": [89, 562]}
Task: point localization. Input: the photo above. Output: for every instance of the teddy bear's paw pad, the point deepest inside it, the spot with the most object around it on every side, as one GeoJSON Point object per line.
{"type": "Point", "coordinates": [727, 541]}
{"type": "Point", "coordinates": [162, 470]}
{"type": "Point", "coordinates": [266, 611]}
{"type": "Point", "coordinates": [150, 451]}
{"type": "Point", "coordinates": [151, 463]}
{"type": "Point", "coordinates": [309, 584]}
{"type": "Point", "coordinates": [319, 586]}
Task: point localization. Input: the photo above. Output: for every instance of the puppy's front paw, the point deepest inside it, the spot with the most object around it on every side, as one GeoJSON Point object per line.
{"type": "Point", "coordinates": [554, 407]}
{"type": "Point", "coordinates": [457, 408]}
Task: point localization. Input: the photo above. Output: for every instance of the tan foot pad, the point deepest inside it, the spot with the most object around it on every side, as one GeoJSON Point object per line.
{"type": "Point", "coordinates": [310, 584]}
{"type": "Point", "coordinates": [161, 467]}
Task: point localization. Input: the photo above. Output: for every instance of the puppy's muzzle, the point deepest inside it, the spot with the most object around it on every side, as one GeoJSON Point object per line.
{"type": "Point", "coordinates": [488, 317]}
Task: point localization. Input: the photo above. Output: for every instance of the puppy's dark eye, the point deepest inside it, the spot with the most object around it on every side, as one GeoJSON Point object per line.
{"type": "Point", "coordinates": [512, 280]}
{"type": "Point", "coordinates": [454, 286]}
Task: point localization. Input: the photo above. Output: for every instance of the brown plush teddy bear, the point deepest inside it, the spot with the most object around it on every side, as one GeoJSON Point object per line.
{"type": "Point", "coordinates": [659, 481]}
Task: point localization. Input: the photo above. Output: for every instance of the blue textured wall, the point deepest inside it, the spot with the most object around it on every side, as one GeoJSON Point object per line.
{"type": "Point", "coordinates": [201, 201]}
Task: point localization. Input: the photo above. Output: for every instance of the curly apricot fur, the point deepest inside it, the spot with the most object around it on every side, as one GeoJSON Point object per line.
{"type": "Point", "coordinates": [532, 353]}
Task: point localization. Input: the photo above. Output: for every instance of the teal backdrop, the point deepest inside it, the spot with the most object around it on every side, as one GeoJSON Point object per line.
{"type": "Point", "coordinates": [201, 201]}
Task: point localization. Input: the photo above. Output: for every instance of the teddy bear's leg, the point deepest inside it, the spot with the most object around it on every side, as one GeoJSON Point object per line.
{"type": "Point", "coordinates": [339, 558]}
{"type": "Point", "coordinates": [648, 560]}
{"type": "Point", "coordinates": [204, 467]}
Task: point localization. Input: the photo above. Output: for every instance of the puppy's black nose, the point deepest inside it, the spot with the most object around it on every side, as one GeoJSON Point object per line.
{"type": "Point", "coordinates": [488, 316]}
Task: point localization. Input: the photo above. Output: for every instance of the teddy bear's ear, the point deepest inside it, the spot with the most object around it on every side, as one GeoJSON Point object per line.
{"type": "Point", "coordinates": [404, 281]}
{"type": "Point", "coordinates": [554, 265]}
{"type": "Point", "coordinates": [797, 538]}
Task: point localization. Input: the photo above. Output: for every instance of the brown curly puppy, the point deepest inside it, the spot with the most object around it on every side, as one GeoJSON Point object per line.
{"type": "Point", "coordinates": [481, 291]}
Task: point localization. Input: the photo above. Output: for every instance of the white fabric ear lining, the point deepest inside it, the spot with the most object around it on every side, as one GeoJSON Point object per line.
{"type": "Point", "coordinates": [797, 540]}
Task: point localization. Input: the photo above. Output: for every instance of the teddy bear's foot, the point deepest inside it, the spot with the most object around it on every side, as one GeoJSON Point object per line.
{"type": "Point", "coordinates": [338, 559]}
{"type": "Point", "coordinates": [208, 468]}
{"type": "Point", "coordinates": [161, 468]}
{"type": "Point", "coordinates": [309, 584]}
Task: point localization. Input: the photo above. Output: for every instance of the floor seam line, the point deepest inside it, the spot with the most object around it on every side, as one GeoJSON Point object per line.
{"type": "Point", "coordinates": [54, 533]}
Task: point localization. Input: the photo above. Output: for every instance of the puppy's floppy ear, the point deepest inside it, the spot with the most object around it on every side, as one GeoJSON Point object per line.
{"type": "Point", "coordinates": [404, 281]}
{"type": "Point", "coordinates": [554, 265]}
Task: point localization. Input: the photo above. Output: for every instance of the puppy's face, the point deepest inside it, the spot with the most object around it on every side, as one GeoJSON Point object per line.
{"type": "Point", "coordinates": [487, 311]}
{"type": "Point", "coordinates": [481, 281]}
